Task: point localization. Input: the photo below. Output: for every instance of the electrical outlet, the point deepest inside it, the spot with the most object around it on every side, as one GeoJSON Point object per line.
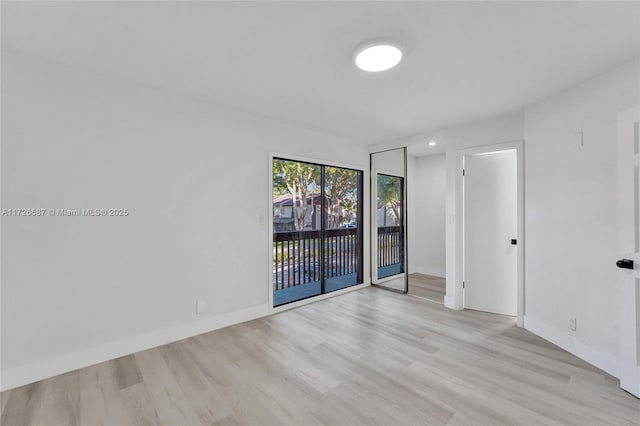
{"type": "Point", "coordinates": [572, 324]}
{"type": "Point", "coordinates": [201, 307]}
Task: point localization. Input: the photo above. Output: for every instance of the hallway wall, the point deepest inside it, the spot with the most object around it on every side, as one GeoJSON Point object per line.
{"type": "Point", "coordinates": [427, 184]}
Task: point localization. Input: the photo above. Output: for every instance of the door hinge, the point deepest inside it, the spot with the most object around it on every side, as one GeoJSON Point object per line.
{"type": "Point", "coordinates": [462, 284]}
{"type": "Point", "coordinates": [462, 172]}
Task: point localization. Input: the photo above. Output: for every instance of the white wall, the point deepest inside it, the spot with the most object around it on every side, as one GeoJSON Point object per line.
{"type": "Point", "coordinates": [76, 290]}
{"type": "Point", "coordinates": [571, 214]}
{"type": "Point", "coordinates": [426, 199]}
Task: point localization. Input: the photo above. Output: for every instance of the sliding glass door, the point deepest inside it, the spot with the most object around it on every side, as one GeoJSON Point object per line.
{"type": "Point", "coordinates": [317, 229]}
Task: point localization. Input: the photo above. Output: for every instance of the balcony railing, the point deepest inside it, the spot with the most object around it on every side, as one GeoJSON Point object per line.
{"type": "Point", "coordinates": [389, 245]}
{"type": "Point", "coordinates": [296, 256]}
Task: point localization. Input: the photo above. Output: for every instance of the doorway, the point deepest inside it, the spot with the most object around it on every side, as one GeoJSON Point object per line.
{"type": "Point", "coordinates": [491, 229]}
{"type": "Point", "coordinates": [427, 171]}
{"type": "Point", "coordinates": [490, 232]}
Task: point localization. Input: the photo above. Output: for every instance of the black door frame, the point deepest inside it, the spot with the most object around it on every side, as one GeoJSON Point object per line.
{"type": "Point", "coordinates": [323, 225]}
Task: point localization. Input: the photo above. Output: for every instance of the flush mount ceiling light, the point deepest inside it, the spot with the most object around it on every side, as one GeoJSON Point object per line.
{"type": "Point", "coordinates": [378, 57]}
{"type": "Point", "coordinates": [432, 143]}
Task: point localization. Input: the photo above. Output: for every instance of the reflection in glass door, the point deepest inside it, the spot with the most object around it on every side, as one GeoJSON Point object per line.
{"type": "Point", "coordinates": [317, 229]}
{"type": "Point", "coordinates": [390, 201]}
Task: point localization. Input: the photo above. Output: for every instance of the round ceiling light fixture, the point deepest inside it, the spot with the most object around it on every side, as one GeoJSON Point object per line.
{"type": "Point", "coordinates": [378, 57]}
{"type": "Point", "coordinates": [432, 143]}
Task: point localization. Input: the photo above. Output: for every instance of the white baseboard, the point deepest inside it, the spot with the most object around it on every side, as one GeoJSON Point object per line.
{"type": "Point", "coordinates": [428, 270]}
{"type": "Point", "coordinates": [450, 303]}
{"type": "Point", "coordinates": [40, 370]}
{"type": "Point", "coordinates": [573, 345]}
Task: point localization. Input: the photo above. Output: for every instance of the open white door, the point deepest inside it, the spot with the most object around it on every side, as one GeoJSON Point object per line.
{"type": "Point", "coordinates": [629, 241]}
{"type": "Point", "coordinates": [490, 209]}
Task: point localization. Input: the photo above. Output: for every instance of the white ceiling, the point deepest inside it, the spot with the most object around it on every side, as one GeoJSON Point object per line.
{"type": "Point", "coordinates": [292, 61]}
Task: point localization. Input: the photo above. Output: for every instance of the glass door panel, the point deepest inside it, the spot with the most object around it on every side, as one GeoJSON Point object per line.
{"type": "Point", "coordinates": [297, 217]}
{"type": "Point", "coordinates": [343, 228]}
{"type": "Point", "coordinates": [388, 224]}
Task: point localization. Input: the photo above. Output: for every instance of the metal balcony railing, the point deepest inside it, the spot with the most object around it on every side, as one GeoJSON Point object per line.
{"type": "Point", "coordinates": [296, 256]}
{"type": "Point", "coordinates": [389, 245]}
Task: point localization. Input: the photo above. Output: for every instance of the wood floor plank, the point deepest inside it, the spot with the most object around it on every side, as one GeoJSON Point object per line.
{"type": "Point", "coordinates": [97, 389]}
{"type": "Point", "coordinates": [133, 406]}
{"type": "Point", "coordinates": [369, 357]}
{"type": "Point", "coordinates": [125, 371]}
{"type": "Point", "coordinates": [166, 395]}
{"type": "Point", "coordinates": [197, 390]}
{"type": "Point", "coordinates": [23, 404]}
{"type": "Point", "coordinates": [61, 404]}
{"type": "Point", "coordinates": [427, 287]}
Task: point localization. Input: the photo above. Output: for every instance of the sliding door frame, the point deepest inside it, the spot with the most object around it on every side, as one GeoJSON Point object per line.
{"type": "Point", "coordinates": [366, 282]}
{"type": "Point", "coordinates": [373, 264]}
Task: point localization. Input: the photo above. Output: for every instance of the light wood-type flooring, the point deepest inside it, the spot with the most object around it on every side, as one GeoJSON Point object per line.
{"type": "Point", "coordinates": [428, 287]}
{"type": "Point", "coordinates": [370, 357]}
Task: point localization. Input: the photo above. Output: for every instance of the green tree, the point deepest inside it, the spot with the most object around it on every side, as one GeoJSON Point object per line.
{"type": "Point", "coordinates": [298, 179]}
{"type": "Point", "coordinates": [341, 187]}
{"type": "Point", "coordinates": [389, 195]}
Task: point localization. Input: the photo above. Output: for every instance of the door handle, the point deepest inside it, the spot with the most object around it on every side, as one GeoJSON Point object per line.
{"type": "Point", "coordinates": [625, 264]}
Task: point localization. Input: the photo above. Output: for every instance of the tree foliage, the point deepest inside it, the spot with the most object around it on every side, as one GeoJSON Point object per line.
{"type": "Point", "coordinates": [341, 187]}
{"type": "Point", "coordinates": [298, 179]}
{"type": "Point", "coordinates": [303, 179]}
{"type": "Point", "coordinates": [389, 194]}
